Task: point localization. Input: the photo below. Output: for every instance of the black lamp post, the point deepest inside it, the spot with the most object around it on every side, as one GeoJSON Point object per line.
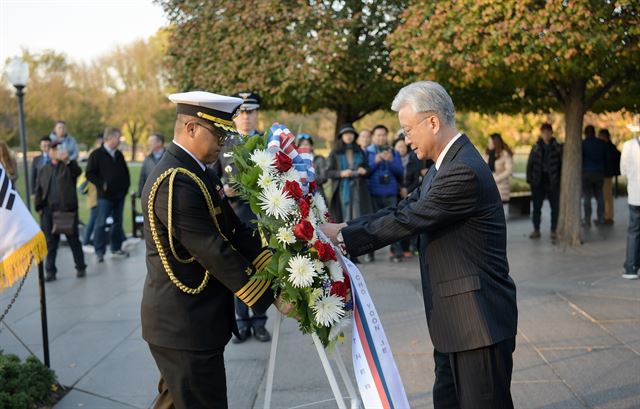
{"type": "Point", "coordinates": [18, 74]}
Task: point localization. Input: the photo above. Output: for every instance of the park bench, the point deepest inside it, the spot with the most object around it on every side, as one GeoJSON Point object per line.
{"type": "Point", "coordinates": [519, 204]}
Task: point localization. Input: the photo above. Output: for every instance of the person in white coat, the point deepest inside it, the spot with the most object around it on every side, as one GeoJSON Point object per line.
{"type": "Point", "coordinates": [630, 167]}
{"type": "Point", "coordinates": [500, 159]}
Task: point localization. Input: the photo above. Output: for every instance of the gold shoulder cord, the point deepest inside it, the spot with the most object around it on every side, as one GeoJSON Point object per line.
{"type": "Point", "coordinates": [171, 173]}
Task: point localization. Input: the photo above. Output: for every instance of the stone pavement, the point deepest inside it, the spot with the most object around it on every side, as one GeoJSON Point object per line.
{"type": "Point", "coordinates": [578, 343]}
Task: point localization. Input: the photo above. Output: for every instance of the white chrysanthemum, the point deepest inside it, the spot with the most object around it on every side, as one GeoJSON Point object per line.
{"type": "Point", "coordinates": [320, 204]}
{"type": "Point", "coordinates": [263, 159]}
{"type": "Point", "coordinates": [275, 202]}
{"type": "Point", "coordinates": [266, 180]}
{"type": "Point", "coordinates": [328, 310]}
{"type": "Point", "coordinates": [285, 236]}
{"type": "Point", "coordinates": [318, 266]}
{"type": "Point", "coordinates": [335, 270]}
{"type": "Point", "coordinates": [338, 328]}
{"type": "Point", "coordinates": [301, 271]}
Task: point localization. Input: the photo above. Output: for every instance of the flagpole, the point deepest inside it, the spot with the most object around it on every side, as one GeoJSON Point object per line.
{"type": "Point", "coordinates": [43, 296]}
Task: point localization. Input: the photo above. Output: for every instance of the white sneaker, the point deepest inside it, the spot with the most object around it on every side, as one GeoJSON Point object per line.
{"type": "Point", "coordinates": [88, 249]}
{"type": "Point", "coordinates": [629, 276]}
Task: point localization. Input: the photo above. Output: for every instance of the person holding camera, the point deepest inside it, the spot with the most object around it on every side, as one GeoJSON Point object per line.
{"type": "Point", "coordinates": [57, 202]}
{"type": "Point", "coordinates": [348, 168]}
{"type": "Point", "coordinates": [386, 172]}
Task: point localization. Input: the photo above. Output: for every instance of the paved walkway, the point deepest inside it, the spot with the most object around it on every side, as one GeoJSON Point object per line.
{"type": "Point", "coordinates": [578, 341]}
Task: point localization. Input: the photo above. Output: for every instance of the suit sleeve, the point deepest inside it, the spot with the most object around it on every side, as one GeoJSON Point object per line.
{"type": "Point", "coordinates": [194, 228]}
{"type": "Point", "coordinates": [451, 198]}
{"type": "Point", "coordinates": [143, 177]}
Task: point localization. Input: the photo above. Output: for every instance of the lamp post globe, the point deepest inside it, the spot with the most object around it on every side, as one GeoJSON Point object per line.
{"type": "Point", "coordinates": [18, 75]}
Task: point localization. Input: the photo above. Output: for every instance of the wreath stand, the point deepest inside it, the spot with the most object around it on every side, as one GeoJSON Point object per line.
{"type": "Point", "coordinates": [335, 388]}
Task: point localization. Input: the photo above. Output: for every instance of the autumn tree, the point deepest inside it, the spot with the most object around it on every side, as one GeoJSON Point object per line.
{"type": "Point", "coordinates": [529, 55]}
{"type": "Point", "coordinates": [301, 56]}
{"type": "Point", "coordinates": [135, 82]}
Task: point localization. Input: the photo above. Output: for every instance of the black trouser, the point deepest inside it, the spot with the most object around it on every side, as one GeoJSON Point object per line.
{"type": "Point", "coordinates": [476, 379]}
{"type": "Point", "coordinates": [538, 194]}
{"type": "Point", "coordinates": [592, 183]}
{"type": "Point", "coordinates": [190, 379]}
{"type": "Point", "coordinates": [53, 240]}
{"type": "Point", "coordinates": [243, 319]}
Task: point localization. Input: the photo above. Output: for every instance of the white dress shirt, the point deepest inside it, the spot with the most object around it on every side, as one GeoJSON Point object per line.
{"type": "Point", "coordinates": [446, 149]}
{"type": "Point", "coordinates": [191, 154]}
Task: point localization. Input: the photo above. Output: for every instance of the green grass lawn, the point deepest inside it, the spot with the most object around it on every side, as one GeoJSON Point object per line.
{"type": "Point", "coordinates": [134, 170]}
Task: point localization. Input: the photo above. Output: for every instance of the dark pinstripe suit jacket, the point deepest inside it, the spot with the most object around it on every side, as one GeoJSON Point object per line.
{"type": "Point", "coordinates": [469, 298]}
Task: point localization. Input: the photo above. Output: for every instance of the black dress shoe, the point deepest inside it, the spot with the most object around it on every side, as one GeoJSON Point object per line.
{"type": "Point", "coordinates": [81, 273]}
{"type": "Point", "coordinates": [262, 334]}
{"type": "Point", "coordinates": [50, 277]}
{"type": "Point", "coordinates": [243, 335]}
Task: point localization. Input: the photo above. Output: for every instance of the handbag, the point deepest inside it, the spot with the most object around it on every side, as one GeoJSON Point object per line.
{"type": "Point", "coordinates": [63, 222]}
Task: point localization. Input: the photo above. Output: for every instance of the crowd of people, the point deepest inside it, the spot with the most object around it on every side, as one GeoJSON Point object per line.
{"type": "Point", "coordinates": [366, 171]}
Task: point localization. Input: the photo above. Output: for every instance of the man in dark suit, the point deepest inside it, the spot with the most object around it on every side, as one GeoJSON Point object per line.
{"type": "Point", "coordinates": [470, 300]}
{"type": "Point", "coordinates": [39, 161]}
{"type": "Point", "coordinates": [194, 272]}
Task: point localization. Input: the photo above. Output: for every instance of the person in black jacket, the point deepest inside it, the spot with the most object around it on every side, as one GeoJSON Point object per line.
{"type": "Point", "coordinates": [410, 181]}
{"type": "Point", "coordinates": [543, 175]}
{"type": "Point", "coordinates": [199, 255]}
{"type": "Point", "coordinates": [108, 171]}
{"type": "Point", "coordinates": [611, 170]}
{"type": "Point", "coordinates": [56, 191]}
{"type": "Point", "coordinates": [155, 143]}
{"type": "Point", "coordinates": [39, 161]}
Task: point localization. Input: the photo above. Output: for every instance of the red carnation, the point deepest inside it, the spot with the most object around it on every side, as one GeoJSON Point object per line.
{"type": "Point", "coordinates": [340, 288]}
{"type": "Point", "coordinates": [329, 218]}
{"type": "Point", "coordinates": [303, 230]}
{"type": "Point", "coordinates": [283, 162]}
{"type": "Point", "coordinates": [293, 188]}
{"type": "Point", "coordinates": [304, 208]}
{"type": "Point", "coordinates": [325, 251]}
{"type": "Point", "coordinates": [312, 186]}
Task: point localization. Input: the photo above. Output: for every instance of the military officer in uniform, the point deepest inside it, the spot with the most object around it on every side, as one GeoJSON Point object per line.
{"type": "Point", "coordinates": [246, 122]}
{"type": "Point", "coordinates": [199, 255]}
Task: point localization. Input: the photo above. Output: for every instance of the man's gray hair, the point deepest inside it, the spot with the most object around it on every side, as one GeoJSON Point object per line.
{"type": "Point", "coordinates": [426, 96]}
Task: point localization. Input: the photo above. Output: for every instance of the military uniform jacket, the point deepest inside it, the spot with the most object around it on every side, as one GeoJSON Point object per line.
{"type": "Point", "coordinates": [228, 249]}
{"type": "Point", "coordinates": [469, 297]}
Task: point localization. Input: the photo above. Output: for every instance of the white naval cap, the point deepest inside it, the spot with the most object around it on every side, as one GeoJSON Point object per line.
{"type": "Point", "coordinates": [217, 109]}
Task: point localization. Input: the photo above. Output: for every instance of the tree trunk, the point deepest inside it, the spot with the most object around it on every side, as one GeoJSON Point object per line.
{"type": "Point", "coordinates": [134, 143]}
{"type": "Point", "coordinates": [571, 180]}
{"type": "Point", "coordinates": [345, 115]}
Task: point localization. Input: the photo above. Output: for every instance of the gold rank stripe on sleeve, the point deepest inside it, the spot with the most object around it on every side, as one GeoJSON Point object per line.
{"type": "Point", "coordinates": [252, 291]}
{"type": "Point", "coordinates": [262, 260]}
{"type": "Point", "coordinates": [258, 292]}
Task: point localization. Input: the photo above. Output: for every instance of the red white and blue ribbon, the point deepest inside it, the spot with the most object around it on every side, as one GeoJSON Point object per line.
{"type": "Point", "coordinates": [281, 139]}
{"type": "Point", "coordinates": [376, 372]}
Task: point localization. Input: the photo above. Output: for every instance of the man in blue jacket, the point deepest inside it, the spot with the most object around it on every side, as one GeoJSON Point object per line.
{"type": "Point", "coordinates": [594, 162]}
{"type": "Point", "coordinates": [386, 172]}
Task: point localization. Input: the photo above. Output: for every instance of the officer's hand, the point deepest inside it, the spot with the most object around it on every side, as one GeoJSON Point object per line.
{"type": "Point", "coordinates": [362, 171]}
{"type": "Point", "coordinates": [283, 307]}
{"type": "Point", "coordinates": [229, 191]}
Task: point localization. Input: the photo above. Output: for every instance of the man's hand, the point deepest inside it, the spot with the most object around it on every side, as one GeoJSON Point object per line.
{"type": "Point", "coordinates": [404, 192]}
{"type": "Point", "coordinates": [331, 230]}
{"type": "Point", "coordinates": [387, 156]}
{"type": "Point", "coordinates": [229, 191]}
{"type": "Point", "coordinates": [347, 173]}
{"type": "Point", "coordinates": [362, 171]}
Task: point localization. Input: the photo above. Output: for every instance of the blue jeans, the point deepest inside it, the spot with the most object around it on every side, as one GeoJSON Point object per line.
{"type": "Point", "coordinates": [91, 224]}
{"type": "Point", "coordinates": [632, 262]}
{"type": "Point", "coordinates": [107, 207]}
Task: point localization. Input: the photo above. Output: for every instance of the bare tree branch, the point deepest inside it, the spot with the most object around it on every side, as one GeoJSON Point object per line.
{"type": "Point", "coordinates": [558, 92]}
{"type": "Point", "coordinates": [603, 90]}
